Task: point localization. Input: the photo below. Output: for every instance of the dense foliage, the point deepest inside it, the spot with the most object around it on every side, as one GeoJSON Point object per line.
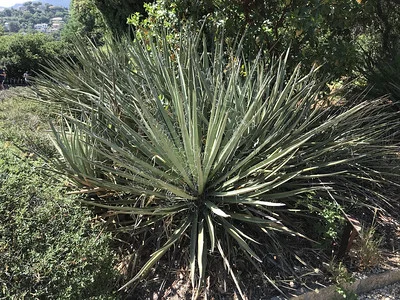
{"type": "Point", "coordinates": [85, 20]}
{"type": "Point", "coordinates": [334, 35]}
{"type": "Point", "coordinates": [28, 52]}
{"type": "Point", "coordinates": [227, 154]}
{"type": "Point", "coordinates": [23, 19]}
{"type": "Point", "coordinates": [116, 13]}
{"type": "Point", "coordinates": [380, 65]}
{"type": "Point", "coordinates": [50, 248]}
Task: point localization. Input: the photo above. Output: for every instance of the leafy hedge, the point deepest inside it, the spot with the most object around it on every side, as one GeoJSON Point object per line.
{"type": "Point", "coordinates": [28, 52]}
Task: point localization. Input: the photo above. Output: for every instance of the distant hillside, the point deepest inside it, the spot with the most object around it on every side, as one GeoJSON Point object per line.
{"type": "Point", "coordinates": [63, 3]}
{"type": "Point", "coordinates": [24, 19]}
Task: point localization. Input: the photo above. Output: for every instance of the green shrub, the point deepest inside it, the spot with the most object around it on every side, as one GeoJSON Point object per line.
{"type": "Point", "coordinates": [224, 153]}
{"type": "Point", "coordinates": [28, 52]}
{"type": "Point", "coordinates": [49, 247]}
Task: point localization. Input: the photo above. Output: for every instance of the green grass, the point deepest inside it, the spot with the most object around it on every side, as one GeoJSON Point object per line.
{"type": "Point", "coordinates": [50, 248]}
{"type": "Point", "coordinates": [24, 122]}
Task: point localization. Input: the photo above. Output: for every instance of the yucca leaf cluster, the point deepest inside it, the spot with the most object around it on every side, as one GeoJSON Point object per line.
{"type": "Point", "coordinates": [223, 148]}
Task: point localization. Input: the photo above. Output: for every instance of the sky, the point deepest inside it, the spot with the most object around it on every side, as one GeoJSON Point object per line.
{"type": "Point", "coordinates": [9, 3]}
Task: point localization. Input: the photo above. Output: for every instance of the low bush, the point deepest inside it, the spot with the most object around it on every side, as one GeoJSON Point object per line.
{"type": "Point", "coordinates": [50, 248]}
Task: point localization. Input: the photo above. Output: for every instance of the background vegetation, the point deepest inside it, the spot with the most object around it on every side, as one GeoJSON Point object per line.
{"type": "Point", "coordinates": [336, 35]}
{"type": "Point", "coordinates": [28, 52]}
{"type": "Point", "coordinates": [21, 47]}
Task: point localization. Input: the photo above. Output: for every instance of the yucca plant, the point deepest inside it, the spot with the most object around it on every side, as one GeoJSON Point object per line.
{"type": "Point", "coordinates": [226, 151]}
{"type": "Point", "coordinates": [383, 77]}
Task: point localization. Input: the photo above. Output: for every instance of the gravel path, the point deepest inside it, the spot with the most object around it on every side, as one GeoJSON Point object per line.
{"type": "Point", "coordinates": [390, 292]}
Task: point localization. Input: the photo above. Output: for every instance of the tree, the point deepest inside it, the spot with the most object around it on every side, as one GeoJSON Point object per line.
{"type": "Point", "coordinates": [324, 33]}
{"type": "Point", "coordinates": [116, 12]}
{"type": "Point", "coordinates": [387, 24]}
{"type": "Point", "coordinates": [85, 19]}
{"type": "Point", "coordinates": [7, 12]}
{"type": "Point", "coordinates": [14, 26]}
